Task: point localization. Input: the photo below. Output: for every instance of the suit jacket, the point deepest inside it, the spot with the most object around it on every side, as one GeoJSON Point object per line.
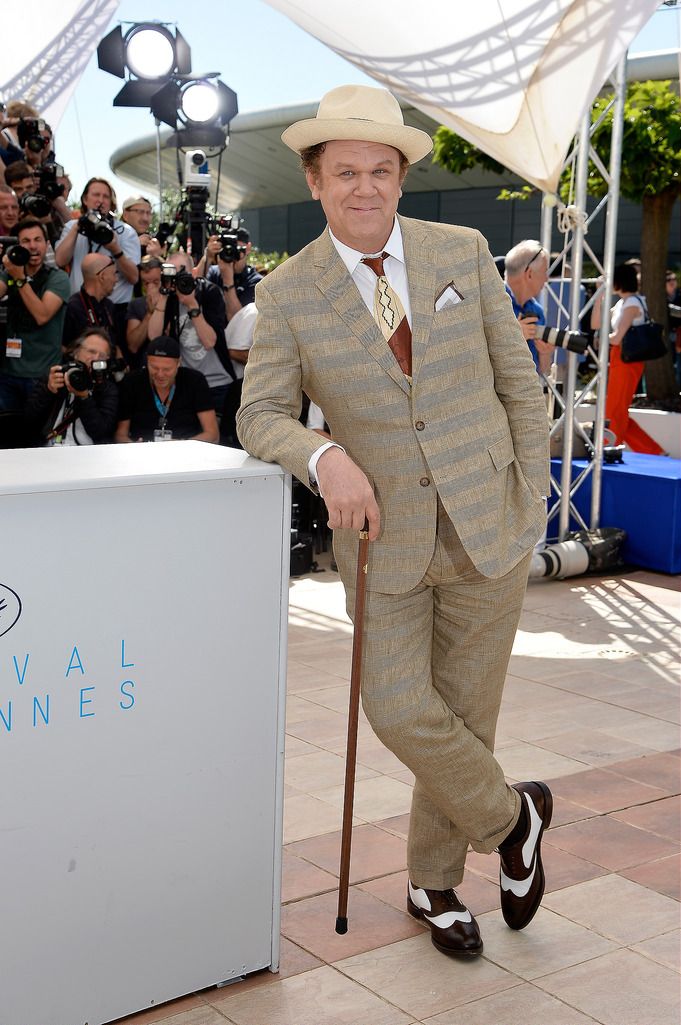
{"type": "Point", "coordinates": [472, 428]}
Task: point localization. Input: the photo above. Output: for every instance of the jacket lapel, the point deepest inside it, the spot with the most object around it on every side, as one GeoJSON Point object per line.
{"type": "Point", "coordinates": [421, 274]}
{"type": "Point", "coordinates": [341, 292]}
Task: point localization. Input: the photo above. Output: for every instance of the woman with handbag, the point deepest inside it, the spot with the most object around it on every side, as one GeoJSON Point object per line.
{"type": "Point", "coordinates": [623, 377]}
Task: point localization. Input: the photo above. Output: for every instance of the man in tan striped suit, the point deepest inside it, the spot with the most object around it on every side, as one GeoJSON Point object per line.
{"type": "Point", "coordinates": [401, 331]}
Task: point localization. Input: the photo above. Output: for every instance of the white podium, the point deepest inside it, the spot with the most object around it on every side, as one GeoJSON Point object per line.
{"type": "Point", "coordinates": [143, 610]}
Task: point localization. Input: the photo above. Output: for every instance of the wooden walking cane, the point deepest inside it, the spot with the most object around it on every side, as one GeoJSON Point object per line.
{"type": "Point", "coordinates": [353, 721]}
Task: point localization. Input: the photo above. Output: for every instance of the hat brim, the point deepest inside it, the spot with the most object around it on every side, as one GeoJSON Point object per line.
{"type": "Point", "coordinates": [414, 143]}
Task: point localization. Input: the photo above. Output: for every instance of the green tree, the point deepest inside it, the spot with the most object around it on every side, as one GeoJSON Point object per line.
{"type": "Point", "coordinates": [650, 175]}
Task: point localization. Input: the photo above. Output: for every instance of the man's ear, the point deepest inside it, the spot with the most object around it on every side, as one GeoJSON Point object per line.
{"type": "Point", "coordinates": [311, 180]}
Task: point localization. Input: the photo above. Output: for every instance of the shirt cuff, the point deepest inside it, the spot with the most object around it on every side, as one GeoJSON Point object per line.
{"type": "Point", "coordinates": [312, 464]}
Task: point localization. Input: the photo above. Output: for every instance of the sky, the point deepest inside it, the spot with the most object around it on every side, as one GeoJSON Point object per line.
{"type": "Point", "coordinates": [266, 59]}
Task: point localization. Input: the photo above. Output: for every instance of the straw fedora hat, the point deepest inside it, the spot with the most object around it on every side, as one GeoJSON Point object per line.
{"type": "Point", "coordinates": [359, 112]}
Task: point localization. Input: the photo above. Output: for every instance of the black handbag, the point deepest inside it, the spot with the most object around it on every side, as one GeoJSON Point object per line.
{"type": "Point", "coordinates": [643, 342]}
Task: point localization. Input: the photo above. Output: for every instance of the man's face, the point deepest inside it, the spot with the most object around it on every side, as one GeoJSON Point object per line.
{"type": "Point", "coordinates": [92, 348]}
{"type": "Point", "coordinates": [537, 274]}
{"type": "Point", "coordinates": [98, 197]}
{"type": "Point", "coordinates": [138, 217]}
{"type": "Point", "coordinates": [24, 185]}
{"type": "Point", "coordinates": [36, 243]}
{"type": "Point", "coordinates": [9, 212]}
{"type": "Point", "coordinates": [162, 371]}
{"type": "Point", "coordinates": [670, 285]}
{"type": "Point", "coordinates": [151, 278]}
{"type": "Point", "coordinates": [358, 185]}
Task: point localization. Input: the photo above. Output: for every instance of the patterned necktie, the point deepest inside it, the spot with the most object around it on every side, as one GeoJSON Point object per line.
{"type": "Point", "coordinates": [390, 316]}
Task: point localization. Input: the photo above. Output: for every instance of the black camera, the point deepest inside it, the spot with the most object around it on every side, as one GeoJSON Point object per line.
{"type": "Point", "coordinates": [174, 280]}
{"type": "Point", "coordinates": [232, 247]}
{"type": "Point", "coordinates": [34, 206]}
{"type": "Point", "coordinates": [48, 186]}
{"type": "Point", "coordinates": [77, 374]}
{"type": "Point", "coordinates": [16, 254]}
{"type": "Point", "coordinates": [96, 227]}
{"type": "Point", "coordinates": [106, 369]}
{"type": "Point", "coordinates": [164, 231]}
{"type": "Point", "coordinates": [573, 341]}
{"type": "Point", "coordinates": [28, 133]}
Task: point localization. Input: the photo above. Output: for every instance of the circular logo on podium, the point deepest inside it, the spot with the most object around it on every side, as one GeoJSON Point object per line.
{"type": "Point", "coordinates": [10, 608]}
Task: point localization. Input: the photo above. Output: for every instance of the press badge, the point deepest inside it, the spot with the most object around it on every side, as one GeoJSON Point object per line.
{"type": "Point", "coordinates": [160, 434]}
{"type": "Point", "coordinates": [13, 350]}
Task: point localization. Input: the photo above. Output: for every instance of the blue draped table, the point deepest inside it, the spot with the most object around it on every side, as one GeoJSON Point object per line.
{"type": "Point", "coordinates": [643, 496]}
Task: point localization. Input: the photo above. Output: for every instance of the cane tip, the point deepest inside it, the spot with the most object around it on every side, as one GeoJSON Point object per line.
{"type": "Point", "coordinates": [341, 925]}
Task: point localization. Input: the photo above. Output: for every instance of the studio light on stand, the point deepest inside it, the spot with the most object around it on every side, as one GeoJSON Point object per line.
{"type": "Point", "coordinates": [148, 52]}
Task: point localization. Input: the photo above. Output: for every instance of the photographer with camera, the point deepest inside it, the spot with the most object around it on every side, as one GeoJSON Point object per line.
{"type": "Point", "coordinates": [77, 404]}
{"type": "Point", "coordinates": [192, 311]}
{"type": "Point", "coordinates": [97, 230]}
{"type": "Point", "coordinates": [90, 306]}
{"type": "Point", "coordinates": [137, 213]}
{"type": "Point", "coordinates": [526, 274]}
{"type": "Point", "coordinates": [225, 263]}
{"type": "Point", "coordinates": [141, 308]}
{"type": "Point", "coordinates": [42, 193]}
{"type": "Point", "coordinates": [35, 315]}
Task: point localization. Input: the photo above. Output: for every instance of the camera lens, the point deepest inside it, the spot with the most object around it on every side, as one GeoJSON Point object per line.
{"type": "Point", "coordinates": [18, 255]}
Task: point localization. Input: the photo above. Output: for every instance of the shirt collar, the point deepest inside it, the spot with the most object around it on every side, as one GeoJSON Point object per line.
{"type": "Point", "coordinates": [351, 257]}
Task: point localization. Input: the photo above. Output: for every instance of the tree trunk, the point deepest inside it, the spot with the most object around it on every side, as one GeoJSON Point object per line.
{"type": "Point", "coordinates": [657, 214]}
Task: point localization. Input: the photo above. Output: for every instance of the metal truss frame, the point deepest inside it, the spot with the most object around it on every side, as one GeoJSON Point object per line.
{"type": "Point", "coordinates": [572, 398]}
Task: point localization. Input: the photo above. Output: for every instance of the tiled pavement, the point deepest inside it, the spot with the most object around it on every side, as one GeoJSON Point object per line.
{"type": "Point", "coordinates": [592, 706]}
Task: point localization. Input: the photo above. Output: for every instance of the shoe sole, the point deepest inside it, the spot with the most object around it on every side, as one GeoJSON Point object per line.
{"type": "Point", "coordinates": [419, 916]}
{"type": "Point", "coordinates": [546, 822]}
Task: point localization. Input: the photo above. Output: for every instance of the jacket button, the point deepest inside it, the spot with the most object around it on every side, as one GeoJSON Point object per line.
{"type": "Point", "coordinates": [424, 482]}
{"type": "Point", "coordinates": [419, 425]}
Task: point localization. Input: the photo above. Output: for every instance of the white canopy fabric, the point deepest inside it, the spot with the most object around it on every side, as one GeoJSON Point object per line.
{"type": "Point", "coordinates": [512, 77]}
{"type": "Point", "coordinates": [43, 62]}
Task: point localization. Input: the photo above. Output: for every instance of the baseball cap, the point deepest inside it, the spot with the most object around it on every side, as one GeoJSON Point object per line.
{"type": "Point", "coordinates": [134, 200]}
{"type": "Point", "coordinates": [164, 346]}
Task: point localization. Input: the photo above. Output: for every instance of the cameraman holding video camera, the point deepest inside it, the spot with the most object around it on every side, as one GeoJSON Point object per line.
{"type": "Point", "coordinates": [77, 404]}
{"type": "Point", "coordinates": [96, 230]}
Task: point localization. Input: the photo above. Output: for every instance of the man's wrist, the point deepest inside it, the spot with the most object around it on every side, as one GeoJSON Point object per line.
{"type": "Point", "coordinates": [312, 464]}
{"type": "Point", "coordinates": [226, 288]}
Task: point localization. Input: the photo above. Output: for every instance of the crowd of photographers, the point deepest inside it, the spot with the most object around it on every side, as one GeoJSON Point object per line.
{"type": "Point", "coordinates": [104, 335]}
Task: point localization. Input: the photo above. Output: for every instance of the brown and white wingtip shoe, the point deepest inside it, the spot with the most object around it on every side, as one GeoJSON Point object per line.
{"type": "Point", "coordinates": [453, 930]}
{"type": "Point", "coordinates": [521, 873]}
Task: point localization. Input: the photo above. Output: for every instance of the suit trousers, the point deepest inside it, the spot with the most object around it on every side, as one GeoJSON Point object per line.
{"type": "Point", "coordinates": [433, 670]}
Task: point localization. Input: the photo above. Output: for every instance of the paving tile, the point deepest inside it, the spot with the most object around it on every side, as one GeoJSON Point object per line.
{"type": "Point", "coordinates": [527, 761]}
{"type": "Point", "coordinates": [604, 790]}
{"type": "Point", "coordinates": [174, 1012]}
{"type": "Point", "coordinates": [306, 816]}
{"type": "Point", "coordinates": [295, 747]}
{"type": "Point", "coordinates": [664, 875]}
{"type": "Point", "coordinates": [374, 852]}
{"type": "Point", "coordinates": [666, 949]}
{"type": "Point", "coordinates": [374, 798]}
{"type": "Point", "coordinates": [612, 844]}
{"type": "Point", "coordinates": [320, 996]}
{"type": "Point", "coordinates": [551, 943]}
{"type": "Point", "coordinates": [414, 976]}
{"type": "Point", "coordinates": [301, 879]}
{"type": "Point", "coordinates": [371, 923]}
{"type": "Point", "coordinates": [591, 746]}
{"type": "Point", "coordinates": [659, 770]}
{"type": "Point", "coordinates": [523, 1004]}
{"type": "Point", "coordinates": [653, 734]}
{"type": "Point", "coordinates": [620, 988]}
{"type": "Point", "coordinates": [398, 824]}
{"type": "Point", "coordinates": [616, 908]}
{"type": "Point", "coordinates": [568, 811]}
{"type": "Point", "coordinates": [563, 869]}
{"type": "Point", "coordinates": [371, 752]}
{"type": "Point", "coordinates": [293, 960]}
{"type": "Point", "coordinates": [661, 817]}
{"type": "Point", "coordinates": [311, 772]}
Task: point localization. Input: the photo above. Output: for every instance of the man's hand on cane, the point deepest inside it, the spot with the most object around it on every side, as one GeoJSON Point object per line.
{"type": "Point", "coordinates": [348, 494]}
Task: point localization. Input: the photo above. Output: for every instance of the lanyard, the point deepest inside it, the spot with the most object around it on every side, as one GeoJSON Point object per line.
{"type": "Point", "coordinates": [163, 407]}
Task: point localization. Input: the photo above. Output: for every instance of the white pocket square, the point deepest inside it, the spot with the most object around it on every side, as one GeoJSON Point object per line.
{"type": "Point", "coordinates": [448, 297]}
